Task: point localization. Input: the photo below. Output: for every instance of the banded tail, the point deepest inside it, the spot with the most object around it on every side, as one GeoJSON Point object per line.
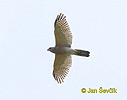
{"type": "Point", "coordinates": [82, 53]}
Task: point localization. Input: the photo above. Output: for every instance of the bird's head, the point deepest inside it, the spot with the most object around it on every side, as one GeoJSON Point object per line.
{"type": "Point", "coordinates": [51, 49]}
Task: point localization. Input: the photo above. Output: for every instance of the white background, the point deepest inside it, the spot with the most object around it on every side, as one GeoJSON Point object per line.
{"type": "Point", "coordinates": [27, 31]}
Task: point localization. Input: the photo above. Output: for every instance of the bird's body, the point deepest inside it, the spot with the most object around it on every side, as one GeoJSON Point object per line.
{"type": "Point", "coordinates": [63, 50]}
{"type": "Point", "coordinates": [68, 51]}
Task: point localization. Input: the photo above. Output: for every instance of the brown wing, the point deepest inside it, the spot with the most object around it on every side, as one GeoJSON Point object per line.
{"type": "Point", "coordinates": [62, 65]}
{"type": "Point", "coordinates": [62, 31]}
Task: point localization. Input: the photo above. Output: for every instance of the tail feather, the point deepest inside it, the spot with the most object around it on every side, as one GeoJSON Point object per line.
{"type": "Point", "coordinates": [82, 53]}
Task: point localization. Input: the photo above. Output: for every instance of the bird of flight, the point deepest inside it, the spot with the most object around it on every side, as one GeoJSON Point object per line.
{"type": "Point", "coordinates": [62, 49]}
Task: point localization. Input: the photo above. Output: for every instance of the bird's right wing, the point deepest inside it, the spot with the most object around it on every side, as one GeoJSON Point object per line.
{"type": "Point", "coordinates": [62, 65]}
{"type": "Point", "coordinates": [62, 31]}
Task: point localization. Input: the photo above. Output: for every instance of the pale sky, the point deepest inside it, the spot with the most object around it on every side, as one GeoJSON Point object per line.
{"type": "Point", "coordinates": [27, 31]}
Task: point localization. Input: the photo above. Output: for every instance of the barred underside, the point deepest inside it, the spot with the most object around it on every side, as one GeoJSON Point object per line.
{"type": "Point", "coordinates": [62, 31]}
{"type": "Point", "coordinates": [62, 65]}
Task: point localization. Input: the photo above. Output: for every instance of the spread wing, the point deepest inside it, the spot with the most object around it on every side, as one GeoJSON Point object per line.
{"type": "Point", "coordinates": [62, 31]}
{"type": "Point", "coordinates": [62, 65]}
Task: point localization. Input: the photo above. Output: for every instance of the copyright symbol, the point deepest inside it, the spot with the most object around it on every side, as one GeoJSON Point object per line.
{"type": "Point", "coordinates": [83, 90]}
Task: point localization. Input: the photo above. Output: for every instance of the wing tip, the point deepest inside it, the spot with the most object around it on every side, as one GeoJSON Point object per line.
{"type": "Point", "coordinates": [59, 79]}
{"type": "Point", "coordinates": [60, 17]}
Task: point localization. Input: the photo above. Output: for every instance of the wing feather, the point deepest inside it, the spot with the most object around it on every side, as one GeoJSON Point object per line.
{"type": "Point", "coordinates": [62, 65]}
{"type": "Point", "coordinates": [62, 31]}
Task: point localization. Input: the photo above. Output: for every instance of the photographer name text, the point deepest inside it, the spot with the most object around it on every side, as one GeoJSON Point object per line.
{"type": "Point", "coordinates": [100, 90]}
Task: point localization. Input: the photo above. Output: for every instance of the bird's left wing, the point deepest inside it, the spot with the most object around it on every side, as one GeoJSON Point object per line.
{"type": "Point", "coordinates": [62, 31]}
{"type": "Point", "coordinates": [62, 65]}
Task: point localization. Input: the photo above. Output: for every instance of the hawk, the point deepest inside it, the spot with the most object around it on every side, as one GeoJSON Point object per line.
{"type": "Point", "coordinates": [62, 49]}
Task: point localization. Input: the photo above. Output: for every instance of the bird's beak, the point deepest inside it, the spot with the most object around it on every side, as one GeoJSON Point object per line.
{"type": "Point", "coordinates": [47, 49]}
